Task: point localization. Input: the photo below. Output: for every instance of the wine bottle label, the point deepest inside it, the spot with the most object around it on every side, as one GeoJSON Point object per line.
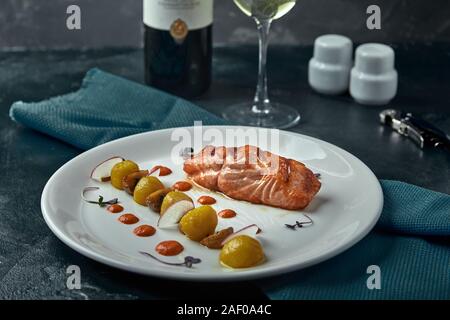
{"type": "Point", "coordinates": [178, 16]}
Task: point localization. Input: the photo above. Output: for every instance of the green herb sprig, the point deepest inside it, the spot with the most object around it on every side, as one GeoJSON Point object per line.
{"type": "Point", "coordinates": [100, 200]}
{"type": "Point", "coordinates": [102, 203]}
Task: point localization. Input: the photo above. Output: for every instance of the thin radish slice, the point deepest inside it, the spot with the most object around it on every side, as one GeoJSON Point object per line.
{"type": "Point", "coordinates": [102, 172]}
{"type": "Point", "coordinates": [86, 190]}
{"type": "Point", "coordinates": [251, 231]}
{"type": "Point", "coordinates": [172, 216]}
{"type": "Point", "coordinates": [100, 200]}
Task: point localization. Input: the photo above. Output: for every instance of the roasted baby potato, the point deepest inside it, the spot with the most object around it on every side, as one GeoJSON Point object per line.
{"type": "Point", "coordinates": [242, 252]}
{"type": "Point", "coordinates": [129, 181]}
{"type": "Point", "coordinates": [199, 223]}
{"type": "Point", "coordinates": [214, 241]}
{"type": "Point", "coordinates": [145, 187]}
{"type": "Point", "coordinates": [155, 200]}
{"type": "Point", "coordinates": [120, 170]}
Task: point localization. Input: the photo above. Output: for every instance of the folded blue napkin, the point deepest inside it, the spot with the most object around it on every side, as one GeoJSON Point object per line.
{"type": "Point", "coordinates": [107, 107]}
{"type": "Point", "coordinates": [410, 243]}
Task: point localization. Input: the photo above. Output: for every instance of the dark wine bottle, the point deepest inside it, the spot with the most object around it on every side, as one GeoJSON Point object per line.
{"type": "Point", "coordinates": [178, 45]}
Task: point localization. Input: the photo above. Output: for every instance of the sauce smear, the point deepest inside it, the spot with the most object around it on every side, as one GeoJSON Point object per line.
{"type": "Point", "coordinates": [206, 200]}
{"type": "Point", "coordinates": [163, 171]}
{"type": "Point", "coordinates": [144, 231]}
{"type": "Point", "coordinates": [227, 214]}
{"type": "Point", "coordinates": [169, 248]}
{"type": "Point", "coordinates": [182, 186]}
{"type": "Point", "coordinates": [128, 218]}
{"type": "Point", "coordinates": [115, 208]}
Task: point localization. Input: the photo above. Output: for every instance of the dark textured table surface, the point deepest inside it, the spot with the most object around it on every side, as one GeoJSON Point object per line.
{"type": "Point", "coordinates": [33, 261]}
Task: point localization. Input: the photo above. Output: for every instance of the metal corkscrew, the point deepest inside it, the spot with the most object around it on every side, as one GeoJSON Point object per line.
{"type": "Point", "coordinates": [423, 133]}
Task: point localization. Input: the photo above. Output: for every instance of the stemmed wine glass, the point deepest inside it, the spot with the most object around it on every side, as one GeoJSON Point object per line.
{"type": "Point", "coordinates": [262, 112]}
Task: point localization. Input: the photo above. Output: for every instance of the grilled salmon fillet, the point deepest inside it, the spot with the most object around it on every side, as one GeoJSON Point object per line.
{"type": "Point", "coordinates": [250, 174]}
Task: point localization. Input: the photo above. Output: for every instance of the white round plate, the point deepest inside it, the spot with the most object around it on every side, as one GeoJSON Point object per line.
{"type": "Point", "coordinates": [344, 211]}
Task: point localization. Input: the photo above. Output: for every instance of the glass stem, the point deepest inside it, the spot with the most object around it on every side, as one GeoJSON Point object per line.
{"type": "Point", "coordinates": [261, 103]}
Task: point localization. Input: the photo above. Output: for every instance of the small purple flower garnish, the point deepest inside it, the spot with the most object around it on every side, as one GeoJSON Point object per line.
{"type": "Point", "coordinates": [299, 224]}
{"type": "Point", "coordinates": [188, 260]}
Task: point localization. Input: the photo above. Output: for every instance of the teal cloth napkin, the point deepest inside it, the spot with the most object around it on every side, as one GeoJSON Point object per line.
{"type": "Point", "coordinates": [107, 107]}
{"type": "Point", "coordinates": [410, 243]}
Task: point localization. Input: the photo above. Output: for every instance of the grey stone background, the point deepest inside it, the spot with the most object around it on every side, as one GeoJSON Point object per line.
{"type": "Point", "coordinates": [39, 24]}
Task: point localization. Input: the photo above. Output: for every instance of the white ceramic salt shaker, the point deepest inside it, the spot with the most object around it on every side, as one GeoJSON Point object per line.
{"type": "Point", "coordinates": [374, 79]}
{"type": "Point", "coordinates": [329, 69]}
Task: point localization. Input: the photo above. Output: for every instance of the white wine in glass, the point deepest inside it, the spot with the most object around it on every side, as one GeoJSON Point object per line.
{"type": "Point", "coordinates": [262, 112]}
{"type": "Point", "coordinates": [265, 9]}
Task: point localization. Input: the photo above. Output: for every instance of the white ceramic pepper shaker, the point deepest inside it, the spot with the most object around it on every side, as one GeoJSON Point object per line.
{"type": "Point", "coordinates": [373, 79]}
{"type": "Point", "coordinates": [329, 69]}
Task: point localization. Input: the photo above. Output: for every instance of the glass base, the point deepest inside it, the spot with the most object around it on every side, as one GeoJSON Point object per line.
{"type": "Point", "coordinates": [280, 116]}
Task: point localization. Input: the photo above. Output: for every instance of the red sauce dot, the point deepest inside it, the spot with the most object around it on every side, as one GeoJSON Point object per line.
{"type": "Point", "coordinates": [144, 231]}
{"type": "Point", "coordinates": [163, 171]}
{"type": "Point", "coordinates": [169, 248]}
{"type": "Point", "coordinates": [128, 218]}
{"type": "Point", "coordinates": [206, 200]}
{"type": "Point", "coordinates": [182, 186]}
{"type": "Point", "coordinates": [115, 208]}
{"type": "Point", "coordinates": [227, 214]}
